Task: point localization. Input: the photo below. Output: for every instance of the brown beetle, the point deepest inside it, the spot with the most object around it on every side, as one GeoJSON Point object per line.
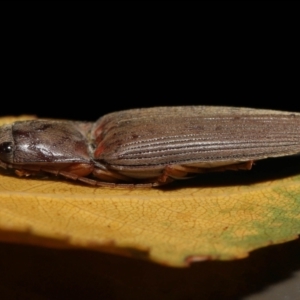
{"type": "Point", "coordinates": [149, 147]}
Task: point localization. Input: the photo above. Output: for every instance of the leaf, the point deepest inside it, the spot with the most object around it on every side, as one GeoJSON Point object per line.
{"type": "Point", "coordinates": [216, 216]}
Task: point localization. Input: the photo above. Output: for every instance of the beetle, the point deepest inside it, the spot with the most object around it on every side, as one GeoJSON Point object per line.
{"type": "Point", "coordinates": [149, 146]}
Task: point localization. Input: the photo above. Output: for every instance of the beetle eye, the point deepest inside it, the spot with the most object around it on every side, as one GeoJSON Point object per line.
{"type": "Point", "coordinates": [6, 147]}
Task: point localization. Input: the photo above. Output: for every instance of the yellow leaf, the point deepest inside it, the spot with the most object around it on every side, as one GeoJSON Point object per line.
{"type": "Point", "coordinates": [216, 216]}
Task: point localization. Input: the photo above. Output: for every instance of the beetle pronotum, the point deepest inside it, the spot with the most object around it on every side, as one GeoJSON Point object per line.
{"type": "Point", "coordinates": [151, 146]}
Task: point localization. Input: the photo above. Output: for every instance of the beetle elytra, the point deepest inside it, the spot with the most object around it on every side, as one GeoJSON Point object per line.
{"type": "Point", "coordinates": [150, 146]}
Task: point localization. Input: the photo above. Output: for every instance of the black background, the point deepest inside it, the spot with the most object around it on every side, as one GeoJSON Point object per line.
{"type": "Point", "coordinates": [82, 59]}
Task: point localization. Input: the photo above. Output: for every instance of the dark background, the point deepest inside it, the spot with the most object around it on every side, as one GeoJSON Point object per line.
{"type": "Point", "coordinates": [82, 59]}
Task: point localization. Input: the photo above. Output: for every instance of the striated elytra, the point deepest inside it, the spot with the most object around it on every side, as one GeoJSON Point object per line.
{"type": "Point", "coordinates": [150, 146]}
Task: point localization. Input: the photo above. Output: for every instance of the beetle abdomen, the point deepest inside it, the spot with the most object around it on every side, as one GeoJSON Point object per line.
{"type": "Point", "coordinates": [155, 140]}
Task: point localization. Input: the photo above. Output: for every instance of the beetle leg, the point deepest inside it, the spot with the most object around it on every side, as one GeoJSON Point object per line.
{"type": "Point", "coordinates": [81, 170]}
{"type": "Point", "coordinates": [72, 171]}
{"type": "Point", "coordinates": [77, 172]}
{"type": "Point", "coordinates": [172, 172]}
{"type": "Point", "coordinates": [126, 185]}
{"type": "Point", "coordinates": [25, 173]}
{"type": "Point", "coordinates": [190, 169]}
{"type": "Point", "coordinates": [110, 176]}
{"type": "Point", "coordinates": [3, 165]}
{"type": "Point", "coordinates": [94, 182]}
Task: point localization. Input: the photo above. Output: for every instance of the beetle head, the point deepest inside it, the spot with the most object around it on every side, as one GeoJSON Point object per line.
{"type": "Point", "coordinates": [7, 145]}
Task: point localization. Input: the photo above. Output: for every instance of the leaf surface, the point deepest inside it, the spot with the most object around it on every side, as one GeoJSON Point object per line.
{"type": "Point", "coordinates": [211, 217]}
